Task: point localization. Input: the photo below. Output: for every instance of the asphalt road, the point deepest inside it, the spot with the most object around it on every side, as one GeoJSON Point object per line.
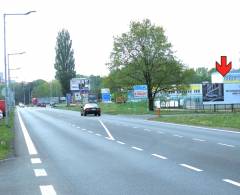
{"type": "Point", "coordinates": [60, 152]}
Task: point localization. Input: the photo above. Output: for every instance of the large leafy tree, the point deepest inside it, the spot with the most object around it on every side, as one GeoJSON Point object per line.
{"type": "Point", "coordinates": [144, 56]}
{"type": "Point", "coordinates": [64, 60]}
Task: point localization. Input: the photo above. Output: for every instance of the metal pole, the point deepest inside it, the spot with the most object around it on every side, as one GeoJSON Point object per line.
{"type": "Point", "coordinates": [9, 87]}
{"type": "Point", "coordinates": [5, 69]}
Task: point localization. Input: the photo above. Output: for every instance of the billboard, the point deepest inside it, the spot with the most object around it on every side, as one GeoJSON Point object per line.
{"type": "Point", "coordinates": [140, 91]}
{"type": "Point", "coordinates": [77, 84]}
{"type": "Point", "coordinates": [219, 93]}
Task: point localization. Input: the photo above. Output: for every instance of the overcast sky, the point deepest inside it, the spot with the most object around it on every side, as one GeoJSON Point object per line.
{"type": "Point", "coordinates": [199, 30]}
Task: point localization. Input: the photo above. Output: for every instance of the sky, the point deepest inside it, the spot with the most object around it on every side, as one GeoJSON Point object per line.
{"type": "Point", "coordinates": [201, 31]}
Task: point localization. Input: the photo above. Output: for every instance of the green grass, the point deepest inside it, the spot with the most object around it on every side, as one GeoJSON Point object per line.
{"type": "Point", "coordinates": [125, 108]}
{"type": "Point", "coordinates": [223, 120]}
{"type": "Point", "coordinates": [71, 107]}
{"type": "Point", "coordinates": [6, 136]}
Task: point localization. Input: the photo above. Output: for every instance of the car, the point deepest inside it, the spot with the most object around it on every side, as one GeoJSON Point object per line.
{"type": "Point", "coordinates": [90, 108]}
{"type": "Point", "coordinates": [41, 104]}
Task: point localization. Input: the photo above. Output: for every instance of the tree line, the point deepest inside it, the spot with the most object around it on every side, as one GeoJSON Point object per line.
{"type": "Point", "coordinates": [143, 55]}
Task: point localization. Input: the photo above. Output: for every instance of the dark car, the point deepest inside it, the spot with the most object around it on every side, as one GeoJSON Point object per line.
{"type": "Point", "coordinates": [90, 108]}
{"type": "Point", "coordinates": [41, 105]}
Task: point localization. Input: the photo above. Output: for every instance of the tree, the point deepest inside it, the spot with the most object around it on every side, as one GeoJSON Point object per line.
{"type": "Point", "coordinates": [64, 60]}
{"type": "Point", "coordinates": [144, 56]}
{"type": "Point", "coordinates": [41, 90]}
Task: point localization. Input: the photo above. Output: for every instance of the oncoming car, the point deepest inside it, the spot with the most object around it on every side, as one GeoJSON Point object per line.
{"type": "Point", "coordinates": [90, 108]}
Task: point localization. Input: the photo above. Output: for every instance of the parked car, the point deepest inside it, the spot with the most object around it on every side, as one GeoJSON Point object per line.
{"type": "Point", "coordinates": [90, 108]}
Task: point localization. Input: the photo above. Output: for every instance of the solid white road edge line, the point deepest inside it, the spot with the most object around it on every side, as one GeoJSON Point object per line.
{"type": "Point", "coordinates": [106, 129]}
{"type": "Point", "coordinates": [136, 148]}
{"type": "Point", "coordinates": [40, 172]}
{"type": "Point", "coordinates": [232, 182]}
{"type": "Point", "coordinates": [47, 190]}
{"type": "Point", "coordinates": [31, 148]}
{"type": "Point", "coordinates": [228, 145]}
{"type": "Point", "coordinates": [36, 160]}
{"type": "Point", "coordinates": [191, 167]}
{"type": "Point", "coordinates": [159, 156]}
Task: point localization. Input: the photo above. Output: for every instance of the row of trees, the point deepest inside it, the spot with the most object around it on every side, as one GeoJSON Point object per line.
{"type": "Point", "coordinates": [141, 56]}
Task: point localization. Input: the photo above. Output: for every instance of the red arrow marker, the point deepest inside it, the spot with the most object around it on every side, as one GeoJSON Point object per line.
{"type": "Point", "coordinates": [223, 68]}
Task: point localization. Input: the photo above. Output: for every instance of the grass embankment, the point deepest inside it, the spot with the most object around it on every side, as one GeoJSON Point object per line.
{"type": "Point", "coordinates": [182, 116]}
{"type": "Point", "coordinates": [6, 136]}
{"type": "Point", "coordinates": [219, 120]}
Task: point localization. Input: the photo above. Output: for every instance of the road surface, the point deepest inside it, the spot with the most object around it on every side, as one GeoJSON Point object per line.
{"type": "Point", "coordinates": [60, 152]}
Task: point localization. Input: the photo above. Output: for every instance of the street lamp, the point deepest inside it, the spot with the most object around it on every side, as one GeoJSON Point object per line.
{"type": "Point", "coordinates": [9, 78]}
{"type": "Point", "coordinates": [5, 60]}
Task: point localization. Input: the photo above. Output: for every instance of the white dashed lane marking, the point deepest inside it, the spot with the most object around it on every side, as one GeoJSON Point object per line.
{"type": "Point", "coordinates": [200, 140]}
{"type": "Point", "coordinates": [90, 132]}
{"type": "Point", "coordinates": [180, 136]}
{"type": "Point", "coordinates": [148, 130]}
{"type": "Point", "coordinates": [136, 148]}
{"type": "Point", "coordinates": [159, 156]}
{"type": "Point", "coordinates": [232, 182]}
{"type": "Point", "coordinates": [228, 145]}
{"type": "Point", "coordinates": [36, 160]}
{"type": "Point", "coordinates": [122, 143]}
{"type": "Point", "coordinates": [191, 167]}
{"type": "Point", "coordinates": [40, 172]}
{"type": "Point", "coordinates": [97, 134]}
{"type": "Point", "coordinates": [47, 190]}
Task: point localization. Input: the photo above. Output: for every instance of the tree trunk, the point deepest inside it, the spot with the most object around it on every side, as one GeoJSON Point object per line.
{"type": "Point", "coordinates": [150, 99]}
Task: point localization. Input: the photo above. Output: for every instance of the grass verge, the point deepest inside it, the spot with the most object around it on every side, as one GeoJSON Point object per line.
{"type": "Point", "coordinates": [223, 120]}
{"type": "Point", "coordinates": [6, 136]}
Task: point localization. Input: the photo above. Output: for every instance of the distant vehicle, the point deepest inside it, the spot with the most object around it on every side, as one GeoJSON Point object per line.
{"type": "Point", "coordinates": [21, 105]}
{"type": "Point", "coordinates": [41, 104]}
{"type": "Point", "coordinates": [2, 106]}
{"type": "Point", "coordinates": [90, 108]}
{"type": "Point", "coordinates": [1, 115]}
{"type": "Point", "coordinates": [34, 101]}
{"type": "Point", "coordinates": [52, 104]}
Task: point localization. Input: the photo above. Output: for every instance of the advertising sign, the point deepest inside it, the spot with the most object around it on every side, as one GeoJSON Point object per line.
{"type": "Point", "coordinates": [140, 91]}
{"type": "Point", "coordinates": [219, 93]}
{"type": "Point", "coordinates": [77, 84]}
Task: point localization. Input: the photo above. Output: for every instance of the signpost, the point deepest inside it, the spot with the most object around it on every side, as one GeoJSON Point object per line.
{"type": "Point", "coordinates": [106, 96]}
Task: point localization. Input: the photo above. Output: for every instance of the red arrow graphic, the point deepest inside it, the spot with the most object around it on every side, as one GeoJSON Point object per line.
{"type": "Point", "coordinates": [223, 68]}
